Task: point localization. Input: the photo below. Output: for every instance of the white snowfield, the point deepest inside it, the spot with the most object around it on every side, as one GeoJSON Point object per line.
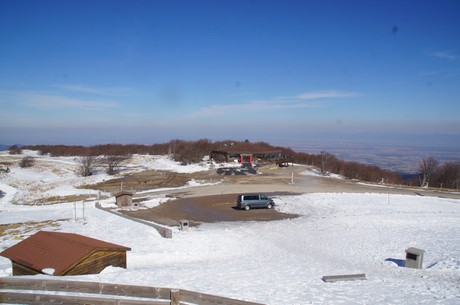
{"type": "Point", "coordinates": [275, 262]}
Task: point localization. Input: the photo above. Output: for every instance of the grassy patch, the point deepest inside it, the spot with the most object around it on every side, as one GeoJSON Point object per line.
{"type": "Point", "coordinates": [55, 200]}
{"type": "Point", "coordinates": [61, 199]}
{"type": "Point", "coordinates": [18, 231]}
{"type": "Point", "coordinates": [145, 180]}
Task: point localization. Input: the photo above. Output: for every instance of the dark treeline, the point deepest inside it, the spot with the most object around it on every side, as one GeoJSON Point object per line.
{"type": "Point", "coordinates": [445, 175]}
{"type": "Point", "coordinates": [98, 150]}
{"type": "Point", "coordinates": [328, 163]}
{"type": "Point", "coordinates": [448, 175]}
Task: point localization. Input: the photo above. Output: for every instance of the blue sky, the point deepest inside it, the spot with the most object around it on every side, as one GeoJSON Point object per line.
{"type": "Point", "coordinates": [91, 72]}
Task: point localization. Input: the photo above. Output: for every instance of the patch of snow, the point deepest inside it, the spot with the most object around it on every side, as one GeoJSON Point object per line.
{"type": "Point", "coordinates": [316, 173]}
{"type": "Point", "coordinates": [49, 271]}
{"type": "Point", "coordinates": [155, 202]}
{"type": "Point", "coordinates": [165, 163]}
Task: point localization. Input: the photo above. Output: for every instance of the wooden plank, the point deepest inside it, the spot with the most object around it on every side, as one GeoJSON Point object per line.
{"type": "Point", "coordinates": [19, 269]}
{"type": "Point", "coordinates": [97, 261]}
{"type": "Point", "coordinates": [143, 302]}
{"type": "Point", "coordinates": [138, 291]}
{"type": "Point", "coordinates": [155, 295]}
{"type": "Point", "coordinates": [208, 299]}
{"type": "Point", "coordinates": [18, 283]}
{"type": "Point", "coordinates": [21, 297]}
{"type": "Point", "coordinates": [344, 277]}
{"type": "Point", "coordinates": [27, 298]}
{"type": "Point", "coordinates": [175, 297]}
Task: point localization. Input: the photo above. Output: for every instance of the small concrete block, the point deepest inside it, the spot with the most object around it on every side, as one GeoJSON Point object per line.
{"type": "Point", "coordinates": [344, 277]}
{"type": "Point", "coordinates": [414, 258]}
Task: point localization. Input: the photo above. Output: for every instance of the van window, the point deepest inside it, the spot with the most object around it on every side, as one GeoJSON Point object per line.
{"type": "Point", "coordinates": [251, 197]}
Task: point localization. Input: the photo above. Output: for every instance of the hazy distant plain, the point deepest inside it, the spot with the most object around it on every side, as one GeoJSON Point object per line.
{"type": "Point", "coordinates": [398, 157]}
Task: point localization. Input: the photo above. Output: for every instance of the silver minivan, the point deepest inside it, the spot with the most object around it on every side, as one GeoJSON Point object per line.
{"type": "Point", "coordinates": [249, 201]}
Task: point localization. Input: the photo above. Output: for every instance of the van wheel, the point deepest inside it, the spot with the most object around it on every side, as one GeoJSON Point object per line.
{"type": "Point", "coordinates": [247, 207]}
{"type": "Point", "coordinates": [269, 206]}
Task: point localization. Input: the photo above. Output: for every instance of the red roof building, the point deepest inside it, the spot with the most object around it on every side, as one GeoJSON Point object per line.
{"type": "Point", "coordinates": [60, 253]}
{"type": "Point", "coordinates": [244, 152]}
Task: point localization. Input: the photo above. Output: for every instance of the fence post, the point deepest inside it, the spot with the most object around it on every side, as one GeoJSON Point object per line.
{"type": "Point", "coordinates": [175, 297]}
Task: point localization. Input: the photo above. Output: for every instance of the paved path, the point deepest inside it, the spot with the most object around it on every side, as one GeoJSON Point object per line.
{"type": "Point", "coordinates": [307, 184]}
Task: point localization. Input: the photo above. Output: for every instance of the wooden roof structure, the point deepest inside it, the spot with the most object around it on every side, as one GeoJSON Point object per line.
{"type": "Point", "coordinates": [247, 148]}
{"type": "Point", "coordinates": [64, 253]}
{"type": "Point", "coordinates": [123, 193]}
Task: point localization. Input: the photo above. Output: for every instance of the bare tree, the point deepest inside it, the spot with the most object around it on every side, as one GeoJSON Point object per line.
{"type": "Point", "coordinates": [27, 161]}
{"type": "Point", "coordinates": [325, 158]}
{"type": "Point", "coordinates": [173, 147]}
{"type": "Point", "coordinates": [450, 174]}
{"type": "Point", "coordinates": [114, 161]}
{"type": "Point", "coordinates": [426, 168]}
{"type": "Point", "coordinates": [15, 150]}
{"type": "Point", "coordinates": [87, 164]}
{"type": "Point", "coordinates": [191, 152]}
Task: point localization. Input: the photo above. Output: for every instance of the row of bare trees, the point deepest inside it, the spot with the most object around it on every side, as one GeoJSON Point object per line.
{"type": "Point", "coordinates": [433, 173]}
{"type": "Point", "coordinates": [449, 175]}
{"type": "Point", "coordinates": [328, 163]}
{"type": "Point", "coordinates": [98, 150]}
{"type": "Point", "coordinates": [88, 163]}
{"type": "Point", "coordinates": [112, 156]}
{"type": "Point", "coordinates": [187, 152]}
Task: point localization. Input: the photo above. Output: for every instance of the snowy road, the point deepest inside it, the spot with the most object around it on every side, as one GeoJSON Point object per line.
{"type": "Point", "coordinates": [306, 183]}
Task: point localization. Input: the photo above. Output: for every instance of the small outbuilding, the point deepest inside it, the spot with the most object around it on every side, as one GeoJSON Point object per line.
{"type": "Point", "coordinates": [58, 253]}
{"type": "Point", "coordinates": [124, 199]}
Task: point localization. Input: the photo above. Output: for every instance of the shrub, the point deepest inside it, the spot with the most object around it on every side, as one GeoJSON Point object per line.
{"type": "Point", "coordinates": [114, 161]}
{"type": "Point", "coordinates": [27, 161]}
{"type": "Point", "coordinates": [87, 165]}
{"type": "Point", "coordinates": [15, 150]}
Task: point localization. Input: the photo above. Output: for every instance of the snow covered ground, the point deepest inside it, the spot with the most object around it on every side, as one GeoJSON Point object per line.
{"type": "Point", "coordinates": [276, 262]}
{"type": "Point", "coordinates": [58, 176]}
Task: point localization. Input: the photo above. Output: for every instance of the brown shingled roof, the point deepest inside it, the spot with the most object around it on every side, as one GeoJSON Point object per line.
{"type": "Point", "coordinates": [56, 250]}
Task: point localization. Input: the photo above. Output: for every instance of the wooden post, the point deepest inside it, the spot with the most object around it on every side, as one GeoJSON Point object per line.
{"type": "Point", "coordinates": [175, 296]}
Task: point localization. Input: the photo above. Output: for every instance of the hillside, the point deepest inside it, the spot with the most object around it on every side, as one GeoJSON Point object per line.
{"type": "Point", "coordinates": [341, 227]}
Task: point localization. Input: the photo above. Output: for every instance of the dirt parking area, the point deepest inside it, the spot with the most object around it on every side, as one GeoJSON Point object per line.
{"type": "Point", "coordinates": [216, 203]}
{"type": "Point", "coordinates": [205, 209]}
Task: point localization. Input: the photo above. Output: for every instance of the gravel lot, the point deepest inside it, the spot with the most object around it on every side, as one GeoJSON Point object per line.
{"type": "Point", "coordinates": [214, 203]}
{"type": "Point", "coordinates": [214, 208]}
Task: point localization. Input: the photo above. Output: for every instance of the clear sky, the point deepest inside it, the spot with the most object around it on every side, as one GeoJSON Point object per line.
{"type": "Point", "coordinates": [92, 72]}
